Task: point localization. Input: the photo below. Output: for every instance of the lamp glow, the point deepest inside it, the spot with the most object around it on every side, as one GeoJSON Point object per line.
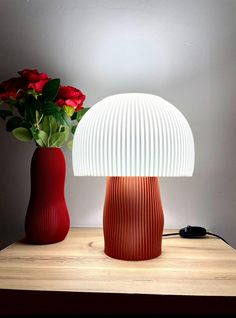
{"type": "Point", "coordinates": [133, 139]}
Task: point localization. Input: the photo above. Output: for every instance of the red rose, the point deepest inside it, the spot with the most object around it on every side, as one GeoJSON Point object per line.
{"type": "Point", "coordinates": [38, 86]}
{"type": "Point", "coordinates": [7, 95]}
{"type": "Point", "coordinates": [35, 79]}
{"type": "Point", "coordinates": [33, 76]}
{"type": "Point", "coordinates": [13, 84]}
{"type": "Point", "coordinates": [70, 96]}
{"type": "Point", "coordinates": [10, 87]}
{"type": "Point", "coordinates": [79, 107]}
{"type": "Point", "coordinates": [69, 92]}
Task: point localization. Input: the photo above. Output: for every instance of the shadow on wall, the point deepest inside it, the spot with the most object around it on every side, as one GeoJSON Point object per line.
{"type": "Point", "coordinates": [15, 186]}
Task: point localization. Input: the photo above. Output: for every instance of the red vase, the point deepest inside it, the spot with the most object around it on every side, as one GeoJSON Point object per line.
{"type": "Point", "coordinates": [47, 219]}
{"type": "Point", "coordinates": [133, 218]}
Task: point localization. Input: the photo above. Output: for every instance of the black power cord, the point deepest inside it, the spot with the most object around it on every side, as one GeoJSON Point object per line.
{"type": "Point", "coordinates": [216, 235]}
{"type": "Point", "coordinates": [194, 232]}
{"type": "Point", "coordinates": [170, 234]}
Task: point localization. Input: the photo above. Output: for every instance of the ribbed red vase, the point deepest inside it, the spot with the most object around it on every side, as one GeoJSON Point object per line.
{"type": "Point", "coordinates": [133, 218]}
{"type": "Point", "coordinates": [47, 219]}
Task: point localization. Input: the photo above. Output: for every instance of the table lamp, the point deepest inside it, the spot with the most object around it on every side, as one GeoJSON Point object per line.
{"type": "Point", "coordinates": [133, 139]}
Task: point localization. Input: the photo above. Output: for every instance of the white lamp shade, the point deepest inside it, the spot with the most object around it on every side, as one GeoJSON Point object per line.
{"type": "Point", "coordinates": [133, 135]}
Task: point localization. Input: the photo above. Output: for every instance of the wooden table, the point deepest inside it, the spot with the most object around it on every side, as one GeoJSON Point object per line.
{"type": "Point", "coordinates": [75, 276]}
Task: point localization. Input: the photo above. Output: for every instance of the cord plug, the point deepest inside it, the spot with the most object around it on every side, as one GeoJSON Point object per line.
{"type": "Point", "coordinates": [192, 231]}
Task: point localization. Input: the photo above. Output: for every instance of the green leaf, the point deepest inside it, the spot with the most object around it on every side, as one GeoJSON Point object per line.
{"type": "Point", "coordinates": [42, 140]}
{"type": "Point", "coordinates": [67, 132]}
{"type": "Point", "coordinates": [34, 132]}
{"type": "Point", "coordinates": [50, 89]}
{"type": "Point", "coordinates": [22, 134]}
{"type": "Point", "coordinates": [58, 139]}
{"type": "Point", "coordinates": [53, 124]}
{"type": "Point", "coordinates": [65, 118]}
{"type": "Point", "coordinates": [13, 122]}
{"type": "Point", "coordinates": [30, 91]}
{"type": "Point", "coordinates": [29, 113]}
{"type": "Point", "coordinates": [50, 108]}
{"type": "Point", "coordinates": [81, 113]}
{"type": "Point", "coordinates": [40, 143]}
{"type": "Point", "coordinates": [73, 128]}
{"type": "Point", "coordinates": [45, 124]}
{"type": "Point", "coordinates": [11, 101]}
{"type": "Point", "coordinates": [70, 144]}
{"type": "Point", "coordinates": [74, 116]}
{"type": "Point", "coordinates": [34, 102]}
{"type": "Point", "coordinates": [5, 113]}
{"type": "Point", "coordinates": [20, 105]}
{"type": "Point", "coordinates": [69, 110]}
{"type": "Point", "coordinates": [49, 124]}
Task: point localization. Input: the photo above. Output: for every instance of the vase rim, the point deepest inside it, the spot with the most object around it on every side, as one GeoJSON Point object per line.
{"type": "Point", "coordinates": [48, 148]}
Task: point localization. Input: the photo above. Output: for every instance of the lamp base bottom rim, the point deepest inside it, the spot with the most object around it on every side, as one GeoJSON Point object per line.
{"type": "Point", "coordinates": [142, 258]}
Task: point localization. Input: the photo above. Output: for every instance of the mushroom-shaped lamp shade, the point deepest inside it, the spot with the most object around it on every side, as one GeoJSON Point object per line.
{"type": "Point", "coordinates": [133, 139]}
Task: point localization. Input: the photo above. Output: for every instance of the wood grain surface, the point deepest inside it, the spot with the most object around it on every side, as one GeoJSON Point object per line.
{"type": "Point", "coordinates": [203, 267]}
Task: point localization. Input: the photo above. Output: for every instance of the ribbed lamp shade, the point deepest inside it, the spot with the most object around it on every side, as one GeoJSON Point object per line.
{"type": "Point", "coordinates": [132, 139]}
{"type": "Point", "coordinates": [133, 135]}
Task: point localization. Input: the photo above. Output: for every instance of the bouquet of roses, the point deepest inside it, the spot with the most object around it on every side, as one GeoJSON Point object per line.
{"type": "Point", "coordinates": [38, 108]}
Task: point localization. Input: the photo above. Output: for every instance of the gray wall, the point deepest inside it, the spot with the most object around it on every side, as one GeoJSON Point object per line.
{"type": "Point", "coordinates": [182, 50]}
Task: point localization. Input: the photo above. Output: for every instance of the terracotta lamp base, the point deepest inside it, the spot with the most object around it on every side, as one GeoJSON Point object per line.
{"type": "Point", "coordinates": [133, 218]}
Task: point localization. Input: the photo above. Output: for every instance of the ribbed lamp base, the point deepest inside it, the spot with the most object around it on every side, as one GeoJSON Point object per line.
{"type": "Point", "coordinates": [133, 218]}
